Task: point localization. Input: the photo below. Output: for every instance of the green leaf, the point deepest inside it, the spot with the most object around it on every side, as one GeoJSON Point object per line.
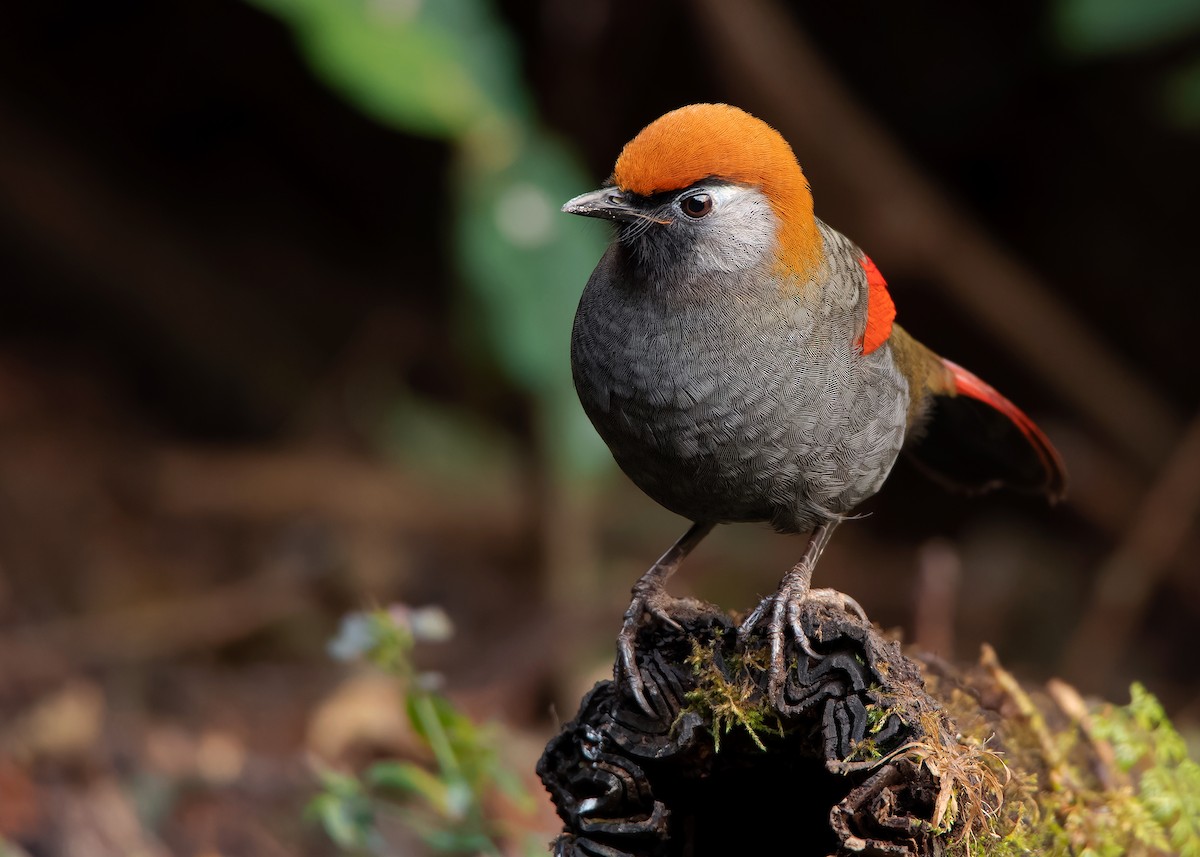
{"type": "Point", "coordinates": [433, 717]}
{"type": "Point", "coordinates": [433, 67]}
{"type": "Point", "coordinates": [449, 69]}
{"type": "Point", "coordinates": [1097, 27]}
{"type": "Point", "coordinates": [345, 813]}
{"type": "Point", "coordinates": [1181, 95]}
{"type": "Point", "coordinates": [410, 778]}
{"type": "Point", "coordinates": [525, 263]}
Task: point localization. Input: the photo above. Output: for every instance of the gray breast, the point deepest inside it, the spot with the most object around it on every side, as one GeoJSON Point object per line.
{"type": "Point", "coordinates": [724, 402]}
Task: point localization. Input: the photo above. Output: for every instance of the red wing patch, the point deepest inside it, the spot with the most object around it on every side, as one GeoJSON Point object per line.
{"type": "Point", "coordinates": [881, 312]}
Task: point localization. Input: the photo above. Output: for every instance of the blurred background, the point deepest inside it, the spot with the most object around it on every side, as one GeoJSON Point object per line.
{"type": "Point", "coordinates": [285, 299]}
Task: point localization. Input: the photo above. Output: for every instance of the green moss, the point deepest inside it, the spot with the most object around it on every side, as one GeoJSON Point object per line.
{"type": "Point", "coordinates": [1041, 773]}
{"type": "Point", "coordinates": [729, 697]}
{"type": "Point", "coordinates": [1117, 781]}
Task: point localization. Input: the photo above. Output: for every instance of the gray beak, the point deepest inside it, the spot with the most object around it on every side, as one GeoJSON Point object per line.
{"type": "Point", "coordinates": [607, 202]}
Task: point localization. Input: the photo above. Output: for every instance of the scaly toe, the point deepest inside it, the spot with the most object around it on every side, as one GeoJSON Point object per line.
{"type": "Point", "coordinates": [751, 622]}
{"type": "Point", "coordinates": [647, 606]}
{"type": "Point", "coordinates": [658, 604]}
{"type": "Point", "coordinates": [627, 656]}
{"type": "Point", "coordinates": [784, 612]}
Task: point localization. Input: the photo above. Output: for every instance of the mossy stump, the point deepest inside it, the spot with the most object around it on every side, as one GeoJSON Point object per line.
{"type": "Point", "coordinates": [865, 751]}
{"type": "Point", "coordinates": [830, 766]}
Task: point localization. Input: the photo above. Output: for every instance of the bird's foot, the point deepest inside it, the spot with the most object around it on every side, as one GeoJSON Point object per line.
{"type": "Point", "coordinates": [782, 612]}
{"type": "Point", "coordinates": [649, 603]}
{"type": "Point", "coordinates": [650, 599]}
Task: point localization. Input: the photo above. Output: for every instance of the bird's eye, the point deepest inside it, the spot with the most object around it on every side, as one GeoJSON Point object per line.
{"type": "Point", "coordinates": [697, 205]}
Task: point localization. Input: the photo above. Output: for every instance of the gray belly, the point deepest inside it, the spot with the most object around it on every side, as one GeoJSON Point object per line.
{"type": "Point", "coordinates": [731, 415]}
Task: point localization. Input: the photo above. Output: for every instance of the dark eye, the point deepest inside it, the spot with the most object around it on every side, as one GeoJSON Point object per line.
{"type": "Point", "coordinates": [697, 205]}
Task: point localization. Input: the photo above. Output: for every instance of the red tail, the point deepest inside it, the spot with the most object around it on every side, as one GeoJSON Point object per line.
{"type": "Point", "coordinates": [1052, 467]}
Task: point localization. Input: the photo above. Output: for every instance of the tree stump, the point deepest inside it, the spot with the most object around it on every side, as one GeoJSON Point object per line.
{"type": "Point", "coordinates": [863, 751]}
{"type": "Point", "coordinates": [830, 766]}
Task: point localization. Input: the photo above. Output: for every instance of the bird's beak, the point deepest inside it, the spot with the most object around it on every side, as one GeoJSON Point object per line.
{"type": "Point", "coordinates": [607, 202]}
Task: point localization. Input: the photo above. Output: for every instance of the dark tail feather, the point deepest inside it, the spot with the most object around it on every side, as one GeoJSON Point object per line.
{"type": "Point", "coordinates": [977, 440]}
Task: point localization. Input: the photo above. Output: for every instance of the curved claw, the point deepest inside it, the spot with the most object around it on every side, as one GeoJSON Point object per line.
{"type": "Point", "coordinates": [650, 597]}
{"type": "Point", "coordinates": [627, 667]}
{"type": "Point", "coordinates": [784, 607]}
{"type": "Point", "coordinates": [645, 601]}
{"type": "Point", "coordinates": [840, 601]}
{"type": "Point", "coordinates": [793, 614]}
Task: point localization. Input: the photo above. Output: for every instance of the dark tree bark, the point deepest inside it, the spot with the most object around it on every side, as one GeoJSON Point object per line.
{"type": "Point", "coordinates": [825, 767]}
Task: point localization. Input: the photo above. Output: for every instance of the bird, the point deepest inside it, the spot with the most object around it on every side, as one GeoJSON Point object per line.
{"type": "Point", "coordinates": [742, 362]}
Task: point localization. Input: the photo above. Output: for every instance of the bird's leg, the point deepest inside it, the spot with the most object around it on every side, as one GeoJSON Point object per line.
{"type": "Point", "coordinates": [650, 597]}
{"type": "Point", "coordinates": [783, 608]}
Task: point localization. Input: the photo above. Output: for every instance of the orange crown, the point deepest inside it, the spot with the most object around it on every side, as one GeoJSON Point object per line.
{"type": "Point", "coordinates": [703, 141]}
